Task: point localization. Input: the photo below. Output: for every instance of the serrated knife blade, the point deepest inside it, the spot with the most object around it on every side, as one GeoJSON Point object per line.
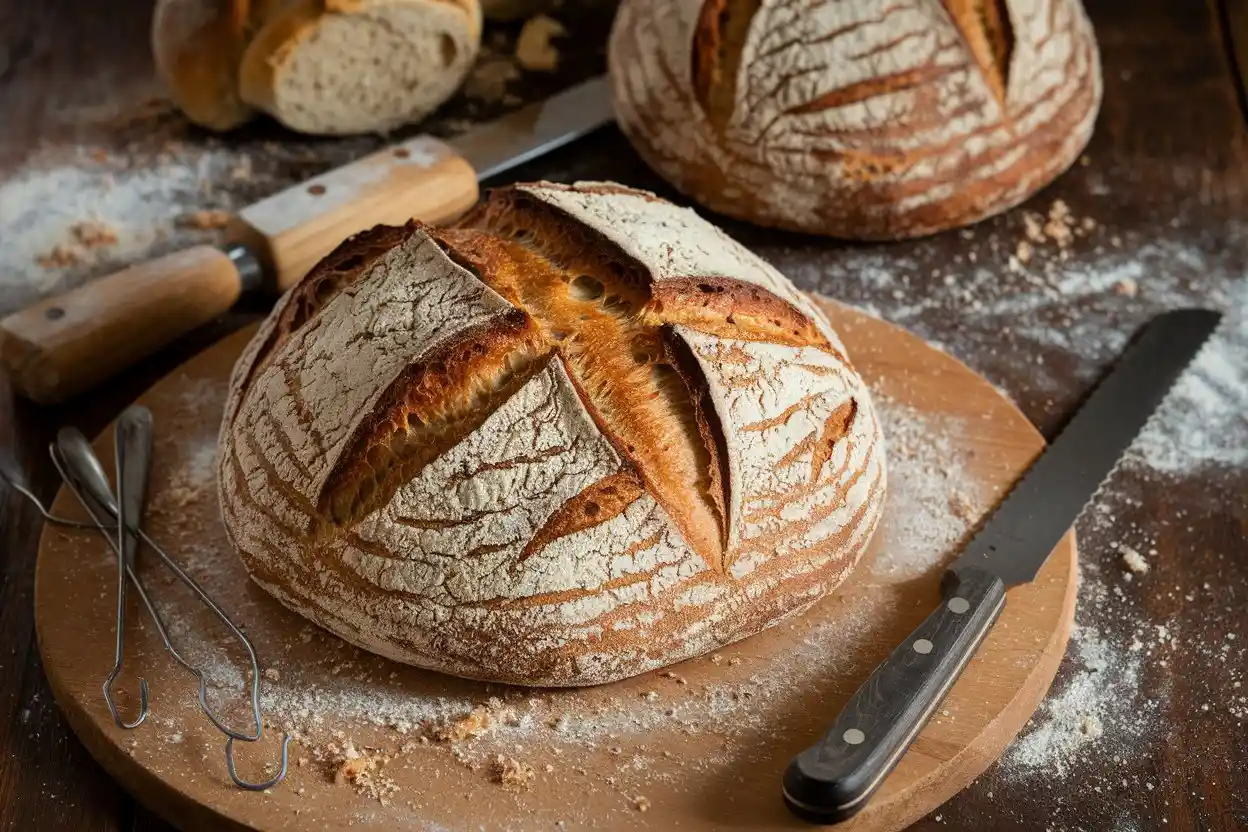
{"type": "Point", "coordinates": [832, 780]}
{"type": "Point", "coordinates": [1043, 505]}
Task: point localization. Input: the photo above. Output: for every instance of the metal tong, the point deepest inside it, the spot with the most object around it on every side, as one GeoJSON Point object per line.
{"type": "Point", "coordinates": [84, 476]}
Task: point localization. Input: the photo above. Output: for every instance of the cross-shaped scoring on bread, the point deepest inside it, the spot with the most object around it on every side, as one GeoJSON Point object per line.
{"type": "Point", "coordinates": [579, 435]}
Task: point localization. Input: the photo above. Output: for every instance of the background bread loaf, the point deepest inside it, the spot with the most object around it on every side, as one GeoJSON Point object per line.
{"type": "Point", "coordinates": [197, 46]}
{"type": "Point", "coordinates": [871, 119]}
{"type": "Point", "coordinates": [580, 435]}
{"type": "Point", "coordinates": [318, 66]}
{"type": "Point", "coordinates": [355, 66]}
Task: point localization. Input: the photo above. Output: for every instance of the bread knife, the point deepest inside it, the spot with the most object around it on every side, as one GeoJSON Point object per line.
{"type": "Point", "coordinates": [833, 780]}
{"type": "Point", "coordinates": [68, 343]}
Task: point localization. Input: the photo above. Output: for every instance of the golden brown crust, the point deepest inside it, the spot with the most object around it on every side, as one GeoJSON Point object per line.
{"type": "Point", "coordinates": [878, 122]}
{"type": "Point", "coordinates": [985, 26]}
{"type": "Point", "coordinates": [269, 48]}
{"type": "Point", "coordinates": [717, 43]}
{"type": "Point", "coordinates": [597, 504]}
{"type": "Point", "coordinates": [197, 46]}
{"type": "Point", "coordinates": [489, 450]}
{"type": "Point", "coordinates": [429, 408]}
{"type": "Point", "coordinates": [591, 303]}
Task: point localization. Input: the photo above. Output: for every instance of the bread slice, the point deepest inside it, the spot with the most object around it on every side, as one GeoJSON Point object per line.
{"type": "Point", "coordinates": [337, 67]}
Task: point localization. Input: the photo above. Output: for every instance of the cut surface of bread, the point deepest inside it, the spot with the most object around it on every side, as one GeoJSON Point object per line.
{"type": "Point", "coordinates": [578, 435]}
{"type": "Point", "coordinates": [354, 66]}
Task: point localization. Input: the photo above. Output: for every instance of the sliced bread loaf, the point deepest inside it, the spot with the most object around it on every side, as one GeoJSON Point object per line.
{"type": "Point", "coordinates": [197, 46]}
{"type": "Point", "coordinates": [354, 66]}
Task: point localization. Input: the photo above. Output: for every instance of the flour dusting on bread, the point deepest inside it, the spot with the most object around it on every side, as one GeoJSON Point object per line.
{"type": "Point", "coordinates": [579, 435]}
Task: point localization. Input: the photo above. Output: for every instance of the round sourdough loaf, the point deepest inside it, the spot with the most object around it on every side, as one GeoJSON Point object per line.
{"type": "Point", "coordinates": [579, 435]}
{"type": "Point", "coordinates": [869, 119]}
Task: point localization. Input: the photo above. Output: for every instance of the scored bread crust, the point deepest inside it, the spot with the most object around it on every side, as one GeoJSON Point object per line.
{"type": "Point", "coordinates": [868, 119]}
{"type": "Point", "coordinates": [334, 104]}
{"type": "Point", "coordinates": [546, 526]}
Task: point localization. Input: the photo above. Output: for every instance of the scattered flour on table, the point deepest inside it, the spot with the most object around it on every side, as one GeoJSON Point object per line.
{"type": "Point", "coordinates": [1204, 420]}
{"type": "Point", "coordinates": [44, 202]}
{"type": "Point", "coordinates": [1029, 327]}
{"type": "Point", "coordinates": [1086, 708]}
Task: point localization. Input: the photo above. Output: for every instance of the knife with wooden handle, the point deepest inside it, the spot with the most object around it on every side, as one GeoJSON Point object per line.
{"type": "Point", "coordinates": [69, 343]}
{"type": "Point", "coordinates": [833, 779]}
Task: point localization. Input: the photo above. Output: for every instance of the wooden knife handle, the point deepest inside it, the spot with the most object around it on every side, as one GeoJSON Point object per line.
{"type": "Point", "coordinates": [66, 344]}
{"type": "Point", "coordinates": [421, 178]}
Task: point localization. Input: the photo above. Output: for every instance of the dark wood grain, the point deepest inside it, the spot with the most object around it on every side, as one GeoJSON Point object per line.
{"type": "Point", "coordinates": [1167, 172]}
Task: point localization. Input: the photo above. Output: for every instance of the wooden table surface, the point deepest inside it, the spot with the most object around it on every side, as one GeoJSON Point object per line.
{"type": "Point", "coordinates": [1147, 724]}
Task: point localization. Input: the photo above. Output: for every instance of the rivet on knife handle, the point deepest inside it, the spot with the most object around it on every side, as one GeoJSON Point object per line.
{"type": "Point", "coordinates": [832, 780]}
{"type": "Point", "coordinates": [66, 344]}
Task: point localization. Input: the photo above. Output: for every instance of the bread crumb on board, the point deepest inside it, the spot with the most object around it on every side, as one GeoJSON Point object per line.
{"type": "Point", "coordinates": [1132, 559]}
{"type": "Point", "coordinates": [354, 765]}
{"type": "Point", "coordinates": [93, 234]}
{"type": "Point", "coordinates": [363, 773]}
{"type": "Point", "coordinates": [640, 803]}
{"type": "Point", "coordinates": [205, 220]}
{"type": "Point", "coordinates": [534, 50]}
{"type": "Point", "coordinates": [511, 773]}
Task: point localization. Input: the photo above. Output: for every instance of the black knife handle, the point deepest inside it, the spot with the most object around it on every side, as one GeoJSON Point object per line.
{"type": "Point", "coordinates": [831, 781]}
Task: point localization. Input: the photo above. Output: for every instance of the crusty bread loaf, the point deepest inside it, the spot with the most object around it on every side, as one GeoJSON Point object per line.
{"type": "Point", "coordinates": [580, 435]}
{"type": "Point", "coordinates": [197, 46]}
{"type": "Point", "coordinates": [355, 66]}
{"type": "Point", "coordinates": [870, 119]}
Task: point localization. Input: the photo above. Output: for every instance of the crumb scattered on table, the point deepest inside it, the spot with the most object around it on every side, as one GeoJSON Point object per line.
{"type": "Point", "coordinates": [1133, 560]}
{"type": "Point", "coordinates": [206, 220]}
{"type": "Point", "coordinates": [94, 234]}
{"type": "Point", "coordinates": [511, 773]}
{"type": "Point", "coordinates": [534, 50]}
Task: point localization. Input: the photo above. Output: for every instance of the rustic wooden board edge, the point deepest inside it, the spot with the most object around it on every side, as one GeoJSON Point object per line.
{"type": "Point", "coordinates": [168, 802]}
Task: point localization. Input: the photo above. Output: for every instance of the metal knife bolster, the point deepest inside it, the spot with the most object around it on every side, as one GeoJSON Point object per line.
{"type": "Point", "coordinates": [250, 270]}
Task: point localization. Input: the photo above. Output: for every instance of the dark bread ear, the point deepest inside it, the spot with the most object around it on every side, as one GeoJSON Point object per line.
{"type": "Point", "coordinates": [718, 41]}
{"type": "Point", "coordinates": [989, 35]}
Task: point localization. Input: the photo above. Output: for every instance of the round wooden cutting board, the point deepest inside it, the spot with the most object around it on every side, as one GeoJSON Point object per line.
{"type": "Point", "coordinates": [701, 746]}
